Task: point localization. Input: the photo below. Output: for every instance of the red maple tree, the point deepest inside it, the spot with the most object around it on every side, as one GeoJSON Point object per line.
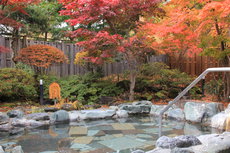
{"type": "Point", "coordinates": [41, 56]}
{"type": "Point", "coordinates": [106, 28]}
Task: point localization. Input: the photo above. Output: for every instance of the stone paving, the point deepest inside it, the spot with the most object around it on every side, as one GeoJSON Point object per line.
{"type": "Point", "coordinates": [111, 136]}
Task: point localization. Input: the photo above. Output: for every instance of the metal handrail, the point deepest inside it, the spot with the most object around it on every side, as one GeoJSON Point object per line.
{"type": "Point", "coordinates": [201, 76]}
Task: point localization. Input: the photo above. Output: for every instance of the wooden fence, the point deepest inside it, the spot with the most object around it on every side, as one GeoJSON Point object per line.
{"type": "Point", "coordinates": [70, 51]}
{"type": "Point", "coordinates": [193, 65]}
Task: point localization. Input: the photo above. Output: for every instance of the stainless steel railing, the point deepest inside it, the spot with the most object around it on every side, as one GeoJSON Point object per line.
{"type": "Point", "coordinates": [202, 76]}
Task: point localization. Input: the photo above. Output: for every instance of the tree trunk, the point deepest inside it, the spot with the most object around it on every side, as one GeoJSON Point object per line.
{"type": "Point", "coordinates": [226, 63]}
{"type": "Point", "coordinates": [15, 44]}
{"type": "Point", "coordinates": [46, 36]}
{"type": "Point", "coordinates": [226, 79]}
{"type": "Point", "coordinates": [133, 75]}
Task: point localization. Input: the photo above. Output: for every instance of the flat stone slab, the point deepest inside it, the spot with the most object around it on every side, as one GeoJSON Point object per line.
{"type": "Point", "coordinates": [80, 147]}
{"type": "Point", "coordinates": [122, 143]}
{"type": "Point", "coordinates": [124, 126]}
{"type": "Point", "coordinates": [76, 131]}
{"type": "Point", "coordinates": [92, 132]}
{"type": "Point", "coordinates": [83, 140]}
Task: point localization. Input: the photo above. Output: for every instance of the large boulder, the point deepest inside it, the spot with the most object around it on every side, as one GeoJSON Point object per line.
{"type": "Point", "coordinates": [201, 112]}
{"type": "Point", "coordinates": [137, 107]}
{"type": "Point", "coordinates": [213, 143]}
{"type": "Point", "coordinates": [12, 147]}
{"type": "Point", "coordinates": [96, 114]}
{"type": "Point", "coordinates": [38, 116]}
{"type": "Point", "coordinates": [182, 150]}
{"type": "Point", "coordinates": [16, 113]}
{"type": "Point", "coordinates": [176, 113]}
{"type": "Point", "coordinates": [219, 120]}
{"type": "Point", "coordinates": [17, 149]}
{"type": "Point", "coordinates": [179, 142]}
{"type": "Point", "coordinates": [122, 114]}
{"type": "Point", "coordinates": [5, 127]}
{"type": "Point", "coordinates": [3, 118]}
{"type": "Point", "coordinates": [74, 116]}
{"type": "Point", "coordinates": [156, 109]}
{"type": "Point", "coordinates": [1, 150]}
{"type": "Point", "coordinates": [227, 110]}
{"type": "Point", "coordinates": [210, 143]}
{"type": "Point", "coordinates": [28, 123]}
{"type": "Point", "coordinates": [60, 116]}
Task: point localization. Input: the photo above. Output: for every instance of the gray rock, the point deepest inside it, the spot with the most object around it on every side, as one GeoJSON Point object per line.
{"type": "Point", "coordinates": [74, 116]}
{"type": "Point", "coordinates": [96, 114]}
{"type": "Point", "coordinates": [60, 116]}
{"type": "Point", "coordinates": [16, 131]}
{"type": "Point", "coordinates": [180, 142]}
{"type": "Point", "coordinates": [218, 120]}
{"type": "Point", "coordinates": [17, 149]}
{"type": "Point", "coordinates": [113, 107]}
{"type": "Point", "coordinates": [28, 123]}
{"type": "Point", "coordinates": [201, 112]}
{"type": "Point", "coordinates": [5, 127]}
{"type": "Point", "coordinates": [1, 150]}
{"type": "Point", "coordinates": [227, 110]}
{"type": "Point", "coordinates": [210, 143]}
{"type": "Point", "coordinates": [122, 114]}
{"type": "Point", "coordinates": [156, 109]}
{"type": "Point", "coordinates": [3, 118]}
{"type": "Point", "coordinates": [213, 143]}
{"type": "Point", "coordinates": [67, 107]}
{"type": "Point", "coordinates": [16, 113]}
{"type": "Point", "coordinates": [36, 124]}
{"type": "Point", "coordinates": [38, 116]}
{"type": "Point", "coordinates": [182, 150]}
{"type": "Point", "coordinates": [8, 144]}
{"type": "Point", "coordinates": [20, 122]}
{"type": "Point", "coordinates": [137, 107]}
{"type": "Point", "coordinates": [176, 113]}
{"type": "Point", "coordinates": [159, 150]}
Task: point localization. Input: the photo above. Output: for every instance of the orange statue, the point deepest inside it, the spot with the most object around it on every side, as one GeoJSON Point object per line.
{"type": "Point", "coordinates": [54, 91]}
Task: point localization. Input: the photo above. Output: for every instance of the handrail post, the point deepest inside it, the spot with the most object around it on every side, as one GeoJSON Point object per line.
{"type": "Point", "coordinates": [201, 76]}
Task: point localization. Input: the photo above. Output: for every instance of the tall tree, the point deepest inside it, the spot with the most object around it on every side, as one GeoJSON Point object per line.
{"type": "Point", "coordinates": [191, 27]}
{"type": "Point", "coordinates": [105, 28]}
{"type": "Point", "coordinates": [9, 22]}
{"type": "Point", "coordinates": [44, 21]}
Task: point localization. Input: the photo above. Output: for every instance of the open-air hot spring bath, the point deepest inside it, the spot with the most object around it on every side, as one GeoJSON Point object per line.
{"type": "Point", "coordinates": [101, 136]}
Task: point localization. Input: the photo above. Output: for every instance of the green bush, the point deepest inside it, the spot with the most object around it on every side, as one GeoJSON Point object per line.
{"type": "Point", "coordinates": [215, 87]}
{"type": "Point", "coordinates": [87, 88]}
{"type": "Point", "coordinates": [163, 82]}
{"type": "Point", "coordinates": [16, 84]}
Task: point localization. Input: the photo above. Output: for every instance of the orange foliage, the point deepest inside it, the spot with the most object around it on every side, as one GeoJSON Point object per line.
{"type": "Point", "coordinates": [41, 56]}
{"type": "Point", "coordinates": [185, 24]}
